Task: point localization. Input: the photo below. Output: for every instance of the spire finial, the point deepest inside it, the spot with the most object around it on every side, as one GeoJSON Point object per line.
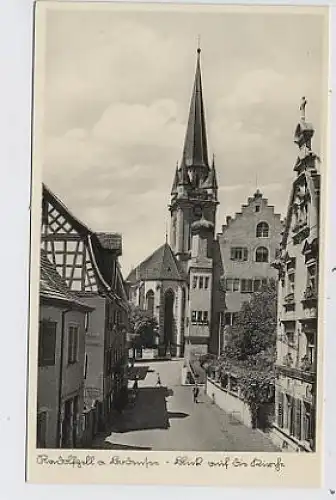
{"type": "Point", "coordinates": [303, 108]}
{"type": "Point", "coordinates": [198, 44]}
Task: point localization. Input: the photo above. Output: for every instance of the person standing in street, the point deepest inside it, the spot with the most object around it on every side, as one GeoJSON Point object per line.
{"type": "Point", "coordinates": [158, 382]}
{"type": "Point", "coordinates": [196, 393]}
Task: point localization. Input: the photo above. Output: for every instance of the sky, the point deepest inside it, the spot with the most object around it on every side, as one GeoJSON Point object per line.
{"type": "Point", "coordinates": [116, 101]}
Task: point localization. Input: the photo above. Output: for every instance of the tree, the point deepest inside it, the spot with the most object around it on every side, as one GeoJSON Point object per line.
{"type": "Point", "coordinates": [143, 327]}
{"type": "Point", "coordinates": [254, 332]}
{"type": "Point", "coordinates": [251, 352]}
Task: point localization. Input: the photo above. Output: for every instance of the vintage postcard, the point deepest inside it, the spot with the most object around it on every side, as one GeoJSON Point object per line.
{"type": "Point", "coordinates": [178, 179]}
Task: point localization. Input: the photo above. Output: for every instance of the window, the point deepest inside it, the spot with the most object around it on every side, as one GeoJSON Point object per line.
{"type": "Point", "coordinates": [232, 284]}
{"type": "Point", "coordinates": [307, 422]}
{"type": "Point", "coordinates": [289, 331]}
{"type": "Point", "coordinates": [47, 343]}
{"type": "Point", "coordinates": [297, 417]}
{"type": "Point", "coordinates": [230, 318]}
{"type": "Point", "coordinates": [239, 253]}
{"type": "Point", "coordinates": [291, 282]}
{"type": "Point", "coordinates": [200, 317]}
{"type": "Point", "coordinates": [206, 282]}
{"type": "Point", "coordinates": [257, 208]}
{"type": "Point", "coordinates": [246, 286]}
{"type": "Point", "coordinates": [256, 285]}
{"type": "Point", "coordinates": [261, 254]}
{"type": "Point", "coordinates": [150, 302]}
{"type": "Point", "coordinates": [201, 282]}
{"type": "Point", "coordinates": [262, 230]}
{"type": "Point", "coordinates": [194, 281]}
{"type": "Point", "coordinates": [312, 277]}
{"type": "Point", "coordinates": [72, 344]}
{"type": "Point", "coordinates": [229, 285]}
{"type": "Point", "coordinates": [310, 353]}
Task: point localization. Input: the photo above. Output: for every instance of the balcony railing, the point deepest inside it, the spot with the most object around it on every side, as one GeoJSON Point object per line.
{"type": "Point", "coordinates": [297, 373]}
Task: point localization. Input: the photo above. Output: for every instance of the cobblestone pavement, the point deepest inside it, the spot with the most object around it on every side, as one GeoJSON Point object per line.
{"type": "Point", "coordinates": [166, 418]}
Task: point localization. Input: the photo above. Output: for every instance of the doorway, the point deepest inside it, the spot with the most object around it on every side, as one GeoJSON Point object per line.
{"type": "Point", "coordinates": [169, 320]}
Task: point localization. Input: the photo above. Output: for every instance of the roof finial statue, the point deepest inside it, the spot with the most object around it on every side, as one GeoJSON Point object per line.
{"type": "Point", "coordinates": [303, 108]}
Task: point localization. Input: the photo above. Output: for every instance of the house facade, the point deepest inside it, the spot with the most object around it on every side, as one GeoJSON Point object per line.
{"type": "Point", "coordinates": [88, 262]}
{"type": "Point", "coordinates": [297, 338]}
{"type": "Point", "coordinates": [248, 244]}
{"type": "Point", "coordinates": [64, 318]}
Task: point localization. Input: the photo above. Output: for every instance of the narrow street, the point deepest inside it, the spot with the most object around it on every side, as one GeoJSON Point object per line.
{"type": "Point", "coordinates": [166, 418]}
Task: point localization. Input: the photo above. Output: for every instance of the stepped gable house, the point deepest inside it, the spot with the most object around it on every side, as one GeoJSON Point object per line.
{"type": "Point", "coordinates": [88, 262]}
{"type": "Point", "coordinates": [248, 244]}
{"type": "Point", "coordinates": [297, 337]}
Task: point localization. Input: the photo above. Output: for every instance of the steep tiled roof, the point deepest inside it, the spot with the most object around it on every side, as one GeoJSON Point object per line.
{"type": "Point", "coordinates": [195, 151]}
{"type": "Point", "coordinates": [110, 241]}
{"type": "Point", "coordinates": [52, 285]}
{"type": "Point", "coordinates": [161, 265]}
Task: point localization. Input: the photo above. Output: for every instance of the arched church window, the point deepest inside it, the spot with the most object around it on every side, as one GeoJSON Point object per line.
{"type": "Point", "coordinates": [150, 302]}
{"type": "Point", "coordinates": [262, 254]}
{"type": "Point", "coordinates": [262, 230]}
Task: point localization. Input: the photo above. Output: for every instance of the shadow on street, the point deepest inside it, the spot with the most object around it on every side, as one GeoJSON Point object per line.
{"type": "Point", "coordinates": [148, 412]}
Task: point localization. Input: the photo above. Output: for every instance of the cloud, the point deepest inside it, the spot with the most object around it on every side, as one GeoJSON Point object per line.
{"type": "Point", "coordinates": [117, 98]}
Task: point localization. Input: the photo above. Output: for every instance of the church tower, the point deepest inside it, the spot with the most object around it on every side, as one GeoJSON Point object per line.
{"type": "Point", "coordinates": [193, 219]}
{"type": "Point", "coordinates": [194, 190]}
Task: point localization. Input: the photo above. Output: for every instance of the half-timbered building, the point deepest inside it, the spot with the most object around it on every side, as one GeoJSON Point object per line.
{"type": "Point", "coordinates": [88, 262]}
{"type": "Point", "coordinates": [64, 318]}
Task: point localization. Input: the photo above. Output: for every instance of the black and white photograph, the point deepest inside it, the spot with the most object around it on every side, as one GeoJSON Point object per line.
{"type": "Point", "coordinates": [179, 183]}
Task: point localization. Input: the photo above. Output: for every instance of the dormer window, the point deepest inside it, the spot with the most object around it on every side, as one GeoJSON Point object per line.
{"type": "Point", "coordinates": [257, 208]}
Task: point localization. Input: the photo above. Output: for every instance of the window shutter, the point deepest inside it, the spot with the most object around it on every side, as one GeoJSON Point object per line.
{"type": "Point", "coordinates": [75, 353]}
{"type": "Point", "coordinates": [245, 253]}
{"type": "Point", "coordinates": [298, 419]}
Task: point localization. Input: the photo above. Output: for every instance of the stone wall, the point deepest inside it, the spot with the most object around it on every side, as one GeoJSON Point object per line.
{"type": "Point", "coordinates": [229, 402]}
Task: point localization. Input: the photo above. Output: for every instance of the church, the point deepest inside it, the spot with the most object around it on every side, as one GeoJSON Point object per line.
{"type": "Point", "coordinates": [182, 284]}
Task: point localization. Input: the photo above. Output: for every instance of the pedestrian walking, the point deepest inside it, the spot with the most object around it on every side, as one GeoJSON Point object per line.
{"type": "Point", "coordinates": [196, 393]}
{"type": "Point", "coordinates": [158, 382]}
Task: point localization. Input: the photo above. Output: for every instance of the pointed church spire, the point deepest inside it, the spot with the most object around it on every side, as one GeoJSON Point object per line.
{"type": "Point", "coordinates": [195, 151]}
{"type": "Point", "coordinates": [175, 182]}
{"type": "Point", "coordinates": [214, 175]}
